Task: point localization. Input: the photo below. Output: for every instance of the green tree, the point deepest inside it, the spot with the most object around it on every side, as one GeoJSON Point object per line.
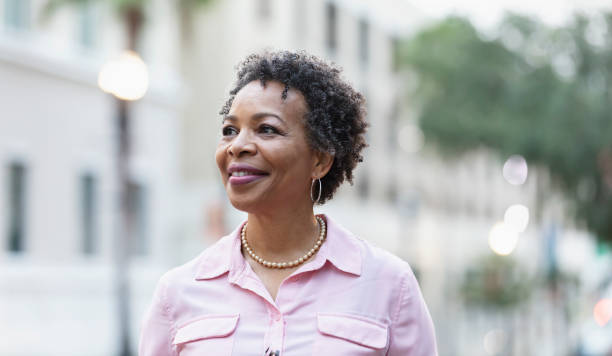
{"type": "Point", "coordinates": [540, 92]}
{"type": "Point", "coordinates": [495, 282]}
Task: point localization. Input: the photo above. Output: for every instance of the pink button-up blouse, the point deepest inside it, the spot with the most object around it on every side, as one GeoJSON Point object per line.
{"type": "Point", "coordinates": [351, 298]}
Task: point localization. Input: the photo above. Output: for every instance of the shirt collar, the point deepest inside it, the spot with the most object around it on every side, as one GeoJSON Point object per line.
{"type": "Point", "coordinates": [223, 256]}
{"type": "Point", "coordinates": [341, 248]}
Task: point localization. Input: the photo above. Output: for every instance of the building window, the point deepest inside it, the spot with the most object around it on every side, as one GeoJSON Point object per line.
{"type": "Point", "coordinates": [86, 25]}
{"type": "Point", "coordinates": [364, 42]}
{"type": "Point", "coordinates": [391, 191]}
{"type": "Point", "coordinates": [137, 200]}
{"type": "Point", "coordinates": [264, 9]}
{"type": "Point", "coordinates": [396, 59]}
{"type": "Point", "coordinates": [363, 185]}
{"type": "Point", "coordinates": [89, 206]}
{"type": "Point", "coordinates": [17, 14]}
{"type": "Point", "coordinates": [331, 19]}
{"type": "Point", "coordinates": [16, 206]}
{"type": "Point", "coordinates": [393, 126]}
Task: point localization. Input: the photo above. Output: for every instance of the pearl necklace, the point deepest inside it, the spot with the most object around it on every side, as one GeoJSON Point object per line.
{"type": "Point", "coordinates": [294, 263]}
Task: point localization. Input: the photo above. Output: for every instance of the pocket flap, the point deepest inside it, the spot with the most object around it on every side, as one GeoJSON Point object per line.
{"type": "Point", "coordinates": [356, 329]}
{"type": "Point", "coordinates": [206, 327]}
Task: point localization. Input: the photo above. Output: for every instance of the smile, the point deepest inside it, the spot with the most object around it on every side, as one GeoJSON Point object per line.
{"type": "Point", "coordinates": [239, 178]}
{"type": "Point", "coordinates": [242, 174]}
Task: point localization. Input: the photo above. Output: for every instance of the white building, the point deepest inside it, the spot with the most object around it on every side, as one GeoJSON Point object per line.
{"type": "Point", "coordinates": [58, 182]}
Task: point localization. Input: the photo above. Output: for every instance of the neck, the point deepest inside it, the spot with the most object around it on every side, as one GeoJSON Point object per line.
{"type": "Point", "coordinates": [283, 235]}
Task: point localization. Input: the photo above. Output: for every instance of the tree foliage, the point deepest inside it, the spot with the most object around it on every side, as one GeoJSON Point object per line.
{"type": "Point", "coordinates": [541, 92]}
{"type": "Point", "coordinates": [495, 282]}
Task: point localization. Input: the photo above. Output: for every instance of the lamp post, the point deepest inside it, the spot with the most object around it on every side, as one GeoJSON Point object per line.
{"type": "Point", "coordinates": [126, 78]}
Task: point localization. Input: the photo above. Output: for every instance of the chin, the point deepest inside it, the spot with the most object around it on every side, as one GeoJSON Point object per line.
{"type": "Point", "coordinates": [243, 203]}
{"type": "Point", "coordinates": [247, 200]}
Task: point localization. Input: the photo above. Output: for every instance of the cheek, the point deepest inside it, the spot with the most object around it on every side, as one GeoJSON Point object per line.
{"type": "Point", "coordinates": [297, 162]}
{"type": "Point", "coordinates": [220, 157]}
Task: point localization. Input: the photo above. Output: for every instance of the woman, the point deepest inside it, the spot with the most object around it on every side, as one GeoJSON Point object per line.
{"type": "Point", "coordinates": [287, 282]}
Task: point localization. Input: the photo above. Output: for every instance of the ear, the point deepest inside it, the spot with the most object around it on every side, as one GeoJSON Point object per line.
{"type": "Point", "coordinates": [322, 164]}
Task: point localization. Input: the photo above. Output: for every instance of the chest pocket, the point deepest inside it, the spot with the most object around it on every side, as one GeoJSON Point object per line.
{"type": "Point", "coordinates": [208, 333]}
{"type": "Point", "coordinates": [342, 334]}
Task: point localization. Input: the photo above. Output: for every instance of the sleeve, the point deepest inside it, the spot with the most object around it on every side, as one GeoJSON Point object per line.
{"type": "Point", "coordinates": [412, 330]}
{"type": "Point", "coordinates": [157, 327]}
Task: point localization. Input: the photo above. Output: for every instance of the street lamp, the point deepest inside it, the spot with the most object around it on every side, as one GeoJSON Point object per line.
{"type": "Point", "coordinates": [126, 78]}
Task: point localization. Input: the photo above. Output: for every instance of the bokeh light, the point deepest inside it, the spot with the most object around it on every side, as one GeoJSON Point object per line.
{"type": "Point", "coordinates": [603, 312]}
{"type": "Point", "coordinates": [411, 139]}
{"type": "Point", "coordinates": [517, 217]}
{"type": "Point", "coordinates": [126, 76]}
{"type": "Point", "coordinates": [515, 170]}
{"type": "Point", "coordinates": [494, 341]}
{"type": "Point", "coordinates": [502, 239]}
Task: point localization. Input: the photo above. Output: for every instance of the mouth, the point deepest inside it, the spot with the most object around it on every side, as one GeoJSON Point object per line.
{"type": "Point", "coordinates": [245, 173]}
{"type": "Point", "coordinates": [242, 177]}
{"type": "Point", "coordinates": [239, 174]}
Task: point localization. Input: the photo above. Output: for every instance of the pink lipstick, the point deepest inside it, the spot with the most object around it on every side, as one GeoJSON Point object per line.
{"type": "Point", "coordinates": [241, 173]}
{"type": "Point", "coordinates": [244, 179]}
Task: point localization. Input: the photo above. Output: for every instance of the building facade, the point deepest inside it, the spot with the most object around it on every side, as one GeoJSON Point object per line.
{"type": "Point", "coordinates": [58, 182]}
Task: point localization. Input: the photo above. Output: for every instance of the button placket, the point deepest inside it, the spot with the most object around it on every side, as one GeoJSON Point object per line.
{"type": "Point", "coordinates": [270, 352]}
{"type": "Point", "coordinates": [275, 334]}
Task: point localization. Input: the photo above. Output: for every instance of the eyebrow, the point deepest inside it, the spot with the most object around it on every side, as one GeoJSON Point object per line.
{"type": "Point", "coordinates": [258, 116]}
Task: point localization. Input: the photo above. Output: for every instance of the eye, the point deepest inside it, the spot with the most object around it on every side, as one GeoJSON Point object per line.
{"type": "Point", "coordinates": [267, 129]}
{"type": "Point", "coordinates": [229, 131]}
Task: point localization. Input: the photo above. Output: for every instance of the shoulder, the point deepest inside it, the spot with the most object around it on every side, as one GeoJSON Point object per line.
{"type": "Point", "coordinates": [380, 261]}
{"type": "Point", "coordinates": [373, 260]}
{"type": "Point", "coordinates": [396, 274]}
{"type": "Point", "coordinates": [347, 249]}
{"type": "Point", "coordinates": [212, 260]}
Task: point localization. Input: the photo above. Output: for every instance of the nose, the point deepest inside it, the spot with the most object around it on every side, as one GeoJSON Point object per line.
{"type": "Point", "coordinates": [242, 144]}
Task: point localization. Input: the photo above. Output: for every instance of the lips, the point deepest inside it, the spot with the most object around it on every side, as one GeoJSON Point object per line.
{"type": "Point", "coordinates": [241, 173]}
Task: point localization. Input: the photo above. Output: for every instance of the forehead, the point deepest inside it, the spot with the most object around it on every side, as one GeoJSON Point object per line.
{"type": "Point", "coordinates": [254, 96]}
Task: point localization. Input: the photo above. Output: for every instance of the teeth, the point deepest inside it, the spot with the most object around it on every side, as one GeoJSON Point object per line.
{"type": "Point", "coordinates": [240, 174]}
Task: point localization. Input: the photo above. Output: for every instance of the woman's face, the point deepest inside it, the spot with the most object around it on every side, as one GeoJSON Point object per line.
{"type": "Point", "coordinates": [263, 156]}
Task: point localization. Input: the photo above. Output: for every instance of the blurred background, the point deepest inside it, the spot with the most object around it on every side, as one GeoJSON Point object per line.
{"type": "Point", "coordinates": [489, 168]}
